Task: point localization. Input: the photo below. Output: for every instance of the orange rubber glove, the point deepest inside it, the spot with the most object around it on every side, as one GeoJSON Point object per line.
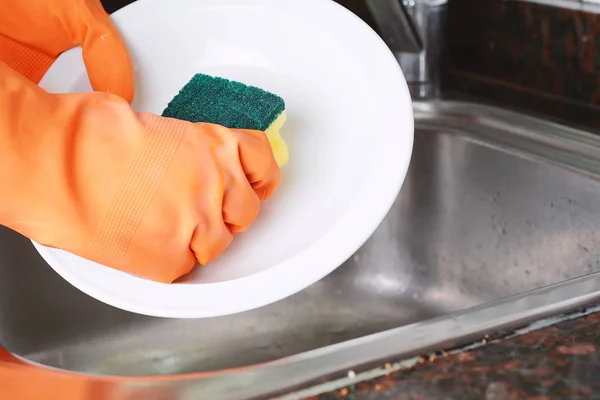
{"type": "Point", "coordinates": [137, 192]}
{"type": "Point", "coordinates": [84, 173]}
{"type": "Point", "coordinates": [33, 33]}
{"type": "Point", "coordinates": [21, 380]}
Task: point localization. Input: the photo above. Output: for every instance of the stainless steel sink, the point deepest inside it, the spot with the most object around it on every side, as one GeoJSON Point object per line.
{"type": "Point", "coordinates": [496, 207]}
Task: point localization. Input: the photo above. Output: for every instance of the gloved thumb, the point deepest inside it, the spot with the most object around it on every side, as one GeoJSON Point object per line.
{"type": "Point", "coordinates": [105, 55]}
{"type": "Point", "coordinates": [34, 32]}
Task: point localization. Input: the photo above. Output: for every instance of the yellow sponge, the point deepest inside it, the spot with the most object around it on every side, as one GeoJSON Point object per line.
{"type": "Point", "coordinates": [278, 145]}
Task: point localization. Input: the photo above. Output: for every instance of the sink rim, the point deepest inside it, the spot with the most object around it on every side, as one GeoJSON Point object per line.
{"type": "Point", "coordinates": [336, 360]}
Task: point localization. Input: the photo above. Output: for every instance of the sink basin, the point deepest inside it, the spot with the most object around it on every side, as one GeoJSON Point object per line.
{"type": "Point", "coordinates": [497, 224]}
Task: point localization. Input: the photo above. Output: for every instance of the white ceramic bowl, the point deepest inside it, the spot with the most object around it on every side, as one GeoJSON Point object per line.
{"type": "Point", "coordinates": [350, 135]}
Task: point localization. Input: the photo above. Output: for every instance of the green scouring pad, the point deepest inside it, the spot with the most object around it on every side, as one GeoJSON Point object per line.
{"type": "Point", "coordinates": [232, 104]}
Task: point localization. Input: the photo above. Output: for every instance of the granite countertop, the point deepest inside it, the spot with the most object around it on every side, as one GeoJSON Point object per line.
{"type": "Point", "coordinates": [560, 361]}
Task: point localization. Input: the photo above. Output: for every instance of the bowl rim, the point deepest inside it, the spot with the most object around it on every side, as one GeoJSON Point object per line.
{"type": "Point", "coordinates": [358, 223]}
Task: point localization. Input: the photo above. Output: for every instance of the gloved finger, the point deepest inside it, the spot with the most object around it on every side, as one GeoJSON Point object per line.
{"type": "Point", "coordinates": [211, 237]}
{"type": "Point", "coordinates": [258, 162]}
{"type": "Point", "coordinates": [266, 187]}
{"type": "Point", "coordinates": [240, 203]}
{"type": "Point", "coordinates": [105, 55]}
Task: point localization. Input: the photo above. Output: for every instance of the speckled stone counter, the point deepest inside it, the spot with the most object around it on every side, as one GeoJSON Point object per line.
{"type": "Point", "coordinates": [561, 361]}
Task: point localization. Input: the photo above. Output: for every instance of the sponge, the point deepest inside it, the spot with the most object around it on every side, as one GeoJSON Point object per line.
{"type": "Point", "coordinates": [234, 105]}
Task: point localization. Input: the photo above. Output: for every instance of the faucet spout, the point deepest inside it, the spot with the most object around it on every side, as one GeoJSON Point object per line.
{"type": "Point", "coordinates": [413, 30]}
{"type": "Point", "coordinates": [396, 25]}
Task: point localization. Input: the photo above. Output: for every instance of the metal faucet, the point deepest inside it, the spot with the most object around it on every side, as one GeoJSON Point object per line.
{"type": "Point", "coordinates": [414, 31]}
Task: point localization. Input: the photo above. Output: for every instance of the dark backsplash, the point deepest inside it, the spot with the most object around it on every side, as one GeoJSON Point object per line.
{"type": "Point", "coordinates": [536, 47]}
{"type": "Point", "coordinates": [527, 56]}
{"type": "Point", "coordinates": [540, 57]}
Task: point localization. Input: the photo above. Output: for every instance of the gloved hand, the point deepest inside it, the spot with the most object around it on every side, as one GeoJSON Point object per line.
{"type": "Point", "coordinates": [84, 173]}
{"type": "Point", "coordinates": [33, 33]}
{"type": "Point", "coordinates": [141, 193]}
